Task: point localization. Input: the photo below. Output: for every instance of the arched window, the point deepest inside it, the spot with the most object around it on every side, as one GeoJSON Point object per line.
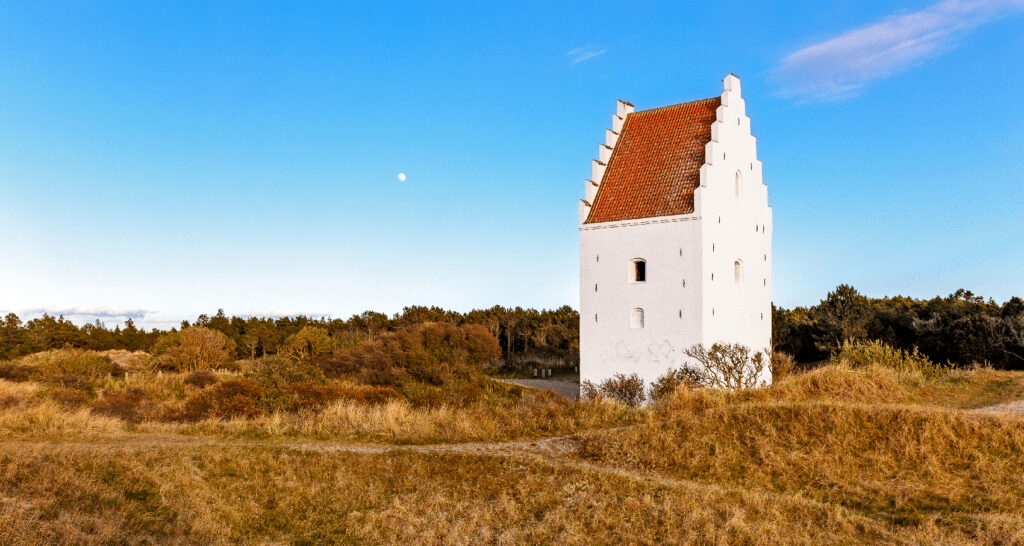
{"type": "Point", "coordinates": [739, 184]}
{"type": "Point", "coordinates": [738, 270]}
{"type": "Point", "coordinates": [636, 318]}
{"type": "Point", "coordinates": [638, 270]}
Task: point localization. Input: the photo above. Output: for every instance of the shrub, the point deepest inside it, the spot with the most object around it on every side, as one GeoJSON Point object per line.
{"type": "Point", "coordinates": [69, 365]}
{"type": "Point", "coordinates": [861, 354]}
{"type": "Point", "coordinates": [782, 365]}
{"type": "Point", "coordinates": [195, 348]}
{"type": "Point", "coordinates": [309, 343]}
{"type": "Point", "coordinates": [225, 400]}
{"type": "Point", "coordinates": [672, 380]}
{"type": "Point", "coordinates": [369, 394]}
{"type": "Point", "coordinates": [201, 379]}
{"type": "Point", "coordinates": [130, 405]}
{"type": "Point", "coordinates": [68, 397]}
{"type": "Point", "coordinates": [481, 346]}
{"type": "Point", "coordinates": [315, 396]}
{"type": "Point", "coordinates": [626, 389]}
{"type": "Point", "coordinates": [727, 366]}
{"type": "Point", "coordinates": [277, 372]}
{"type": "Point", "coordinates": [588, 390]}
{"type": "Point", "coordinates": [14, 372]}
{"type": "Point", "coordinates": [388, 377]}
{"type": "Point", "coordinates": [302, 396]}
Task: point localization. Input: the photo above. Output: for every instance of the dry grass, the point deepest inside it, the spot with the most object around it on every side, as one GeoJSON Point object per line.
{"type": "Point", "coordinates": [861, 439]}
{"type": "Point", "coordinates": [837, 455]}
{"type": "Point", "coordinates": [229, 494]}
{"type": "Point", "coordinates": [399, 422]}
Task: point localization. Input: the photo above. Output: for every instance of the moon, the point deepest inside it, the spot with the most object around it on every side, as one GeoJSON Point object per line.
{"type": "Point", "coordinates": [401, 177]}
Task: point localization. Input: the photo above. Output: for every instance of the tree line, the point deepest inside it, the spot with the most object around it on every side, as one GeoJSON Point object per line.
{"type": "Point", "coordinates": [524, 335]}
{"type": "Point", "coordinates": [961, 328]}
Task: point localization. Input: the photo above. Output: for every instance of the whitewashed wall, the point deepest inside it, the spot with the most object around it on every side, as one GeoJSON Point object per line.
{"type": "Point", "coordinates": [691, 294]}
{"type": "Point", "coordinates": [670, 297]}
{"type": "Point", "coordinates": [735, 228]}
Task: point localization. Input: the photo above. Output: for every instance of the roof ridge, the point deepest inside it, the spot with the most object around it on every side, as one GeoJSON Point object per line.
{"type": "Point", "coordinates": [666, 107]}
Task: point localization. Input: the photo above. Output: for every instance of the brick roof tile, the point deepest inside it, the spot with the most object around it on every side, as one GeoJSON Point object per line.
{"type": "Point", "coordinates": [655, 166]}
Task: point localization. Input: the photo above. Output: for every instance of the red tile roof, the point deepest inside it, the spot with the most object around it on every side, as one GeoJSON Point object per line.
{"type": "Point", "coordinates": [656, 163]}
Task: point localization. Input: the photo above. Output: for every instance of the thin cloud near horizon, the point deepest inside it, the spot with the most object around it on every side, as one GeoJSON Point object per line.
{"type": "Point", "coordinates": [843, 66]}
{"type": "Point", "coordinates": [143, 318]}
{"type": "Point", "coordinates": [94, 312]}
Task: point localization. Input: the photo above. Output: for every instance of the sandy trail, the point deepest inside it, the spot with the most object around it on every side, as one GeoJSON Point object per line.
{"type": "Point", "coordinates": [1016, 406]}
{"type": "Point", "coordinates": [566, 388]}
{"type": "Point", "coordinates": [556, 452]}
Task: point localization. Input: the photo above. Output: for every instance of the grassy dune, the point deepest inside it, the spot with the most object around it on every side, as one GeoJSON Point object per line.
{"type": "Point", "coordinates": [231, 494]}
{"type": "Point", "coordinates": [835, 455]}
{"type": "Point", "coordinates": [889, 447]}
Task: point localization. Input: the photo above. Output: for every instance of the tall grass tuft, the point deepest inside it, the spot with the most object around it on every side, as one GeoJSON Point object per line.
{"type": "Point", "coordinates": [861, 354]}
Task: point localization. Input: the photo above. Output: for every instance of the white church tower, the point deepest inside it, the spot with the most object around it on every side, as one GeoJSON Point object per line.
{"type": "Point", "coordinates": [675, 239]}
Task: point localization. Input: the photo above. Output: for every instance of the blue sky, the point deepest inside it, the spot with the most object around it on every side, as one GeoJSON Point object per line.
{"type": "Point", "coordinates": [167, 159]}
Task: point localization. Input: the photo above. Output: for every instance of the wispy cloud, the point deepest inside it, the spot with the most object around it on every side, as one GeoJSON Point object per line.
{"type": "Point", "coordinates": [86, 312]}
{"type": "Point", "coordinates": [142, 318]}
{"type": "Point", "coordinates": [584, 53]}
{"type": "Point", "coordinates": [844, 65]}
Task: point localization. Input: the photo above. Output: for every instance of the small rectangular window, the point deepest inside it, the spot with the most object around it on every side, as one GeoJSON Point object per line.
{"type": "Point", "coordinates": [636, 318]}
{"type": "Point", "coordinates": [641, 271]}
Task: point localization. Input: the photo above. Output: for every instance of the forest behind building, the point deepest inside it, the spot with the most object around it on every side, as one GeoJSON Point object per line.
{"type": "Point", "coordinates": [961, 329]}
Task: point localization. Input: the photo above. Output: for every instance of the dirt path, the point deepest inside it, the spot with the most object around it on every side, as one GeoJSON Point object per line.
{"type": "Point", "coordinates": [566, 388]}
{"type": "Point", "coordinates": [1016, 406]}
{"type": "Point", "coordinates": [552, 446]}
{"type": "Point", "coordinates": [556, 451]}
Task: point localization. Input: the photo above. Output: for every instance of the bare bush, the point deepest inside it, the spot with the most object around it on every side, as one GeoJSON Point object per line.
{"type": "Point", "coordinates": [627, 389]}
{"type": "Point", "coordinates": [672, 380]}
{"type": "Point", "coordinates": [728, 366]}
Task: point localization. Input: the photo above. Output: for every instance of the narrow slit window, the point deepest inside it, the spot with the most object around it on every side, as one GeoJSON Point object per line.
{"type": "Point", "coordinates": [638, 272]}
{"type": "Point", "coordinates": [738, 270]}
{"type": "Point", "coordinates": [739, 184]}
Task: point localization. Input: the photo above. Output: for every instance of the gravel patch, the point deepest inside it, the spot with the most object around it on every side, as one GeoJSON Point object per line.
{"type": "Point", "coordinates": [563, 387]}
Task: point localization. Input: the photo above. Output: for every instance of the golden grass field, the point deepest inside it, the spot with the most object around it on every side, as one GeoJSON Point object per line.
{"type": "Point", "coordinates": [833, 455]}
